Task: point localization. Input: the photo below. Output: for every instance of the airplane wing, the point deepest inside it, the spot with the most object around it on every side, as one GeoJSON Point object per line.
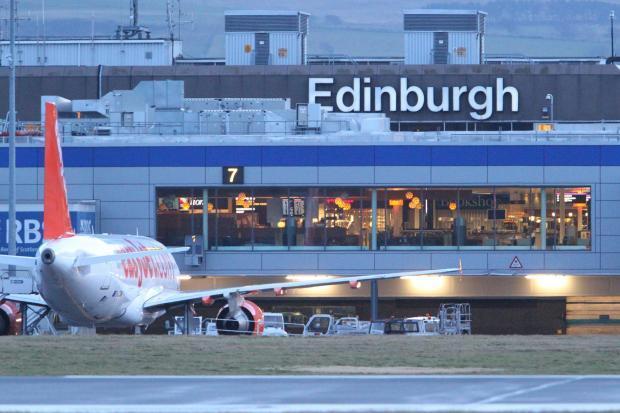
{"type": "Point", "coordinates": [98, 259]}
{"type": "Point", "coordinates": [33, 299]}
{"type": "Point", "coordinates": [18, 261]}
{"type": "Point", "coordinates": [167, 298]}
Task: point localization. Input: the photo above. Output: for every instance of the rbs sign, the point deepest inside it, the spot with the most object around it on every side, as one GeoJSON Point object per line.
{"type": "Point", "coordinates": [29, 234]}
{"type": "Point", "coordinates": [362, 96]}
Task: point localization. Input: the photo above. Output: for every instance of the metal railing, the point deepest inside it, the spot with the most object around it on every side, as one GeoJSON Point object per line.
{"type": "Point", "coordinates": [494, 126]}
{"type": "Point", "coordinates": [327, 132]}
{"type": "Point", "coordinates": [207, 127]}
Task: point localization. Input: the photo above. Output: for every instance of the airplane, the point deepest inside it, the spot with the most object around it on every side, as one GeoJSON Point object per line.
{"type": "Point", "coordinates": [10, 318]}
{"type": "Point", "coordinates": [128, 280]}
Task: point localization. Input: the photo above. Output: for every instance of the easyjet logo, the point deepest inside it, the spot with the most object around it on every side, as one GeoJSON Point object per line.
{"type": "Point", "coordinates": [160, 266]}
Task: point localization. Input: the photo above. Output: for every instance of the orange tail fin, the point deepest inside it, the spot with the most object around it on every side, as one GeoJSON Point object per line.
{"type": "Point", "coordinates": [56, 219]}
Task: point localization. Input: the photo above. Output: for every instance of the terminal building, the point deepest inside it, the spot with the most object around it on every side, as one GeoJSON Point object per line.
{"type": "Point", "coordinates": [270, 167]}
{"type": "Point", "coordinates": [262, 188]}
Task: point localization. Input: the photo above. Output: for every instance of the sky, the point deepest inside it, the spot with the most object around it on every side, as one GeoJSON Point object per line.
{"type": "Point", "coordinates": [349, 27]}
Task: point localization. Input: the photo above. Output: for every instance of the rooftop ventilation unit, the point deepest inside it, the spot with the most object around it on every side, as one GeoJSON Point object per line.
{"type": "Point", "coordinates": [255, 37]}
{"type": "Point", "coordinates": [444, 36]}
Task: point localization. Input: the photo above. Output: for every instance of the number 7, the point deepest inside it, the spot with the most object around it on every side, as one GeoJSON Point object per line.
{"type": "Point", "coordinates": [233, 173]}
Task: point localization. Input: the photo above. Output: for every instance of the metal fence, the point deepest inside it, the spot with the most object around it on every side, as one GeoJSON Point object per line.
{"type": "Point", "coordinates": [327, 132]}
{"type": "Point", "coordinates": [217, 127]}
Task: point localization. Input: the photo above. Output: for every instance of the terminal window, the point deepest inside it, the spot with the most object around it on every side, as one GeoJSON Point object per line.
{"type": "Point", "coordinates": [320, 218]}
{"type": "Point", "coordinates": [179, 214]}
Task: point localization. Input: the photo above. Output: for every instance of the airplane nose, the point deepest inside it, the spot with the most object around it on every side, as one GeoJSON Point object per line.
{"type": "Point", "coordinates": [47, 256]}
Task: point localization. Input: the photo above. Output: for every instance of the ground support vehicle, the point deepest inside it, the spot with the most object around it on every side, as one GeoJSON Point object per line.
{"type": "Point", "coordinates": [454, 318]}
{"type": "Point", "coordinates": [274, 325]}
{"type": "Point", "coordinates": [348, 326]}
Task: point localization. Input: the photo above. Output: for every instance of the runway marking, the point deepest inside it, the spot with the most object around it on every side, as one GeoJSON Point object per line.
{"type": "Point", "coordinates": [313, 408]}
{"type": "Point", "coordinates": [332, 376]}
{"type": "Point", "coordinates": [499, 397]}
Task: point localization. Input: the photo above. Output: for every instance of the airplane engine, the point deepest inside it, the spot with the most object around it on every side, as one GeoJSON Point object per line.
{"type": "Point", "coordinates": [10, 318]}
{"type": "Point", "coordinates": [248, 320]}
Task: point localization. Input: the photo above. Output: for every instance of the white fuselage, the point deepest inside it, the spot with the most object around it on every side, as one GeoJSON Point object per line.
{"type": "Point", "coordinates": [106, 294]}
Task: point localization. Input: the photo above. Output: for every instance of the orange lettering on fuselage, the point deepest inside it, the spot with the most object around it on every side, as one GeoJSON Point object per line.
{"type": "Point", "coordinates": [159, 266]}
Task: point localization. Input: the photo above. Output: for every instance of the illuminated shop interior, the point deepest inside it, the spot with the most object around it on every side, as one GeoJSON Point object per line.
{"type": "Point", "coordinates": [321, 218]}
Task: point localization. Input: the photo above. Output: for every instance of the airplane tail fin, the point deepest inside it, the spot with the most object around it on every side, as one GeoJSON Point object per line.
{"type": "Point", "coordinates": [56, 219]}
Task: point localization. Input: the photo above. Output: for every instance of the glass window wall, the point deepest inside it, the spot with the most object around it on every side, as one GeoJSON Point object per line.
{"type": "Point", "coordinates": [517, 223]}
{"type": "Point", "coordinates": [234, 218]}
{"type": "Point", "coordinates": [406, 217]}
{"type": "Point", "coordinates": [179, 215]}
{"type": "Point", "coordinates": [272, 229]}
{"type": "Point", "coordinates": [306, 209]}
{"type": "Point", "coordinates": [347, 218]}
{"type": "Point", "coordinates": [444, 224]}
{"type": "Point", "coordinates": [479, 216]}
{"type": "Point", "coordinates": [568, 218]}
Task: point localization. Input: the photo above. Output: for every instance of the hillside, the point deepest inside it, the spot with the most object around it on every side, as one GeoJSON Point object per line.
{"type": "Point", "coordinates": [351, 27]}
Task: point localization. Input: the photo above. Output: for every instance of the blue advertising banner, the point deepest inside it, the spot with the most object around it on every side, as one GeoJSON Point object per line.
{"type": "Point", "coordinates": [30, 225]}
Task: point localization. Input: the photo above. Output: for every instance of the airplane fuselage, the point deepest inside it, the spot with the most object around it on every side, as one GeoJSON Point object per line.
{"type": "Point", "coordinates": [104, 294]}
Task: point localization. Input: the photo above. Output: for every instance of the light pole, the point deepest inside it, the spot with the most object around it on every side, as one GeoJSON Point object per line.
{"type": "Point", "coordinates": [12, 213]}
{"type": "Point", "coordinates": [549, 97]}
{"type": "Point", "coordinates": [612, 17]}
{"type": "Point", "coordinates": [12, 210]}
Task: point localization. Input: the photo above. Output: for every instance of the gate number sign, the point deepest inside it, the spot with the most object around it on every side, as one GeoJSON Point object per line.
{"type": "Point", "coordinates": [232, 175]}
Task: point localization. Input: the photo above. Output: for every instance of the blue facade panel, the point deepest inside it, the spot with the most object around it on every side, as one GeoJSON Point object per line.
{"type": "Point", "coordinates": [402, 155]}
{"type": "Point", "coordinates": [610, 155]}
{"type": "Point", "coordinates": [127, 156]}
{"type": "Point", "coordinates": [459, 155]}
{"type": "Point", "coordinates": [232, 155]}
{"type": "Point", "coordinates": [581, 155]}
{"type": "Point", "coordinates": [342, 155]}
{"type": "Point", "coordinates": [75, 157]}
{"type": "Point", "coordinates": [515, 155]}
{"type": "Point", "coordinates": [186, 156]}
{"type": "Point", "coordinates": [283, 156]}
{"type": "Point", "coordinates": [346, 155]}
{"type": "Point", "coordinates": [26, 157]}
